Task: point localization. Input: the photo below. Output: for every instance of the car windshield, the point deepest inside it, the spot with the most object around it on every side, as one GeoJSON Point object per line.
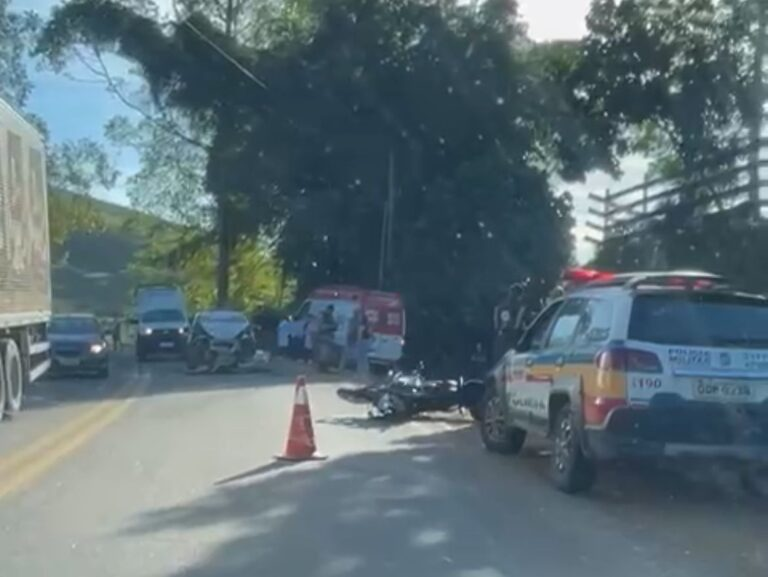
{"type": "Point", "coordinates": [700, 319]}
{"type": "Point", "coordinates": [73, 326]}
{"type": "Point", "coordinates": [163, 316]}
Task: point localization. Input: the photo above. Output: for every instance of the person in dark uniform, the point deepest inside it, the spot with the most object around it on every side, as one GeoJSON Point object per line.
{"type": "Point", "coordinates": [478, 362]}
{"type": "Point", "coordinates": [506, 321]}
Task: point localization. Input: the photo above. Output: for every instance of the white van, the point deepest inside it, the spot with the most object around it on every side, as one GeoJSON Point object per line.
{"type": "Point", "coordinates": [162, 322]}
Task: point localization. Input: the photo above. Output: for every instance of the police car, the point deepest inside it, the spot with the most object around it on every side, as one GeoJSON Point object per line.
{"type": "Point", "coordinates": [670, 364]}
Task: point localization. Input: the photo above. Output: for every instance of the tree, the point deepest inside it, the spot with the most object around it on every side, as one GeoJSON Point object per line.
{"type": "Point", "coordinates": [185, 257]}
{"type": "Point", "coordinates": [449, 91]}
{"type": "Point", "coordinates": [171, 180]}
{"type": "Point", "coordinates": [17, 31]}
{"type": "Point", "coordinates": [75, 169]}
{"type": "Point", "coordinates": [682, 82]}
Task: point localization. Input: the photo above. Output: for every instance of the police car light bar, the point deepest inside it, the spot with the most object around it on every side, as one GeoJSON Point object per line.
{"type": "Point", "coordinates": [584, 275]}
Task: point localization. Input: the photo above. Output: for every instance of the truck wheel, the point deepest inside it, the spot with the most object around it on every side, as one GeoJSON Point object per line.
{"type": "Point", "coordinates": [496, 434]}
{"type": "Point", "coordinates": [14, 376]}
{"type": "Point", "coordinates": [571, 470]}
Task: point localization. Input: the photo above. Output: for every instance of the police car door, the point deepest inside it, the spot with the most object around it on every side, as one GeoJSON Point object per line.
{"type": "Point", "coordinates": [518, 362]}
{"type": "Point", "coordinates": [545, 367]}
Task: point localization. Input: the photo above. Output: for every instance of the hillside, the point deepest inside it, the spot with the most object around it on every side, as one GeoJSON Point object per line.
{"type": "Point", "coordinates": [92, 272]}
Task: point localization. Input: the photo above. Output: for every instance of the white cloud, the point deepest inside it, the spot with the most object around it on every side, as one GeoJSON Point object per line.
{"type": "Point", "coordinates": [554, 19]}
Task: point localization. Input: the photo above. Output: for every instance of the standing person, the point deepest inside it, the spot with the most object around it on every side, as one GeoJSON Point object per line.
{"type": "Point", "coordinates": [328, 324]}
{"type": "Point", "coordinates": [478, 362]}
{"type": "Point", "coordinates": [310, 334]}
{"type": "Point", "coordinates": [350, 341]}
{"type": "Point", "coordinates": [363, 347]}
{"type": "Point", "coordinates": [116, 334]}
{"type": "Point", "coordinates": [282, 337]}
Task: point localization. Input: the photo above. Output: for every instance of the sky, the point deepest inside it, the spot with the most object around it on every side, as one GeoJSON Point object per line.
{"type": "Point", "coordinates": [77, 105]}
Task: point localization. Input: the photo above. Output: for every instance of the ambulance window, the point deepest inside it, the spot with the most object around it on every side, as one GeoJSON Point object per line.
{"type": "Point", "coordinates": [566, 323]}
{"type": "Point", "coordinates": [303, 311]}
{"type": "Point", "coordinates": [595, 323]}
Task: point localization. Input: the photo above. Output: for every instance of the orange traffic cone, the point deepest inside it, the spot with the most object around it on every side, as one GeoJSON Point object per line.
{"type": "Point", "coordinates": [301, 437]}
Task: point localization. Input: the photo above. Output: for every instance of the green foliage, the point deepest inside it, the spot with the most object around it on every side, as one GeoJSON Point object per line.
{"type": "Point", "coordinates": [80, 167]}
{"type": "Point", "coordinates": [171, 180]}
{"type": "Point", "coordinates": [75, 169]}
{"type": "Point", "coordinates": [17, 30]}
{"type": "Point", "coordinates": [474, 118]}
{"type": "Point", "coordinates": [70, 213]}
{"type": "Point", "coordinates": [675, 80]}
{"type": "Point", "coordinates": [186, 258]}
{"type": "Point", "coordinates": [682, 66]}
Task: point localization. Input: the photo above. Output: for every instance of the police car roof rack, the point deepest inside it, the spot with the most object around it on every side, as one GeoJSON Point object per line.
{"type": "Point", "coordinates": [681, 278]}
{"type": "Point", "coordinates": [686, 279]}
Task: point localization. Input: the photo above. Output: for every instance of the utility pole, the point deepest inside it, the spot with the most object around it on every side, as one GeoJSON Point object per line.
{"type": "Point", "coordinates": [223, 205]}
{"type": "Point", "coordinates": [391, 219]}
{"type": "Point", "coordinates": [385, 253]}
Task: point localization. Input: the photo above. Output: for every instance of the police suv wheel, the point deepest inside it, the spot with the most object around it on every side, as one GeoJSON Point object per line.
{"type": "Point", "coordinates": [572, 471]}
{"type": "Point", "coordinates": [497, 436]}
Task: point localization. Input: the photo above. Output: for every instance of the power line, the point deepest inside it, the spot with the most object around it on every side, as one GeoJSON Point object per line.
{"type": "Point", "coordinates": [231, 59]}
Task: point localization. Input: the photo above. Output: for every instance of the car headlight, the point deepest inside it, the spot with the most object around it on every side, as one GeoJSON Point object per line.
{"type": "Point", "coordinates": [97, 348]}
{"type": "Point", "coordinates": [146, 331]}
{"type": "Point", "coordinates": [182, 330]}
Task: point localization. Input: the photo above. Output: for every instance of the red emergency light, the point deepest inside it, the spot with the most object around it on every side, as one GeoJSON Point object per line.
{"type": "Point", "coordinates": [579, 275]}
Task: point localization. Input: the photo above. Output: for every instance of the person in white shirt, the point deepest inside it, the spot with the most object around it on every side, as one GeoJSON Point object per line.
{"type": "Point", "coordinates": [282, 337]}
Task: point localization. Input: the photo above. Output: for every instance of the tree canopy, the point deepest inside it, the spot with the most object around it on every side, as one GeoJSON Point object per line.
{"type": "Point", "coordinates": [680, 81]}
{"type": "Point", "coordinates": [306, 120]}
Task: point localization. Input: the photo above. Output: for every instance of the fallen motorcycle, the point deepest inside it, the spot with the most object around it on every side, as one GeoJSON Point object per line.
{"type": "Point", "coordinates": [404, 395]}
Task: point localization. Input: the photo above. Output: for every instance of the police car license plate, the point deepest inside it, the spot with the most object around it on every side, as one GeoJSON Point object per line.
{"type": "Point", "coordinates": [722, 390]}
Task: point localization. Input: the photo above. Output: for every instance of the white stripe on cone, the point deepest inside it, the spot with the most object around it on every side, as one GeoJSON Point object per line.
{"type": "Point", "coordinates": [301, 395]}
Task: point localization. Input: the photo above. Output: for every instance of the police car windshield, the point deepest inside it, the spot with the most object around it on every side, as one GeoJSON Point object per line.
{"type": "Point", "coordinates": [700, 319]}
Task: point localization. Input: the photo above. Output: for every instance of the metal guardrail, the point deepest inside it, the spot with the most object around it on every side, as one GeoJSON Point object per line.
{"type": "Point", "coordinates": [624, 212]}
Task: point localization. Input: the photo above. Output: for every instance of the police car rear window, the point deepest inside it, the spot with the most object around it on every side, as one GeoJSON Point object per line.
{"type": "Point", "coordinates": [701, 319]}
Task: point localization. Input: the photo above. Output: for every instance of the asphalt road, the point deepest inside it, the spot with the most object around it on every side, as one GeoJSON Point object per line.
{"type": "Point", "coordinates": [157, 473]}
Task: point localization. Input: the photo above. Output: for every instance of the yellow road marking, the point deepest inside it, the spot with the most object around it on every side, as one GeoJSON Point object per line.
{"type": "Point", "coordinates": [21, 468]}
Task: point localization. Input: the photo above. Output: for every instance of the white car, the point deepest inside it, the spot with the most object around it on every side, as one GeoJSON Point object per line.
{"type": "Point", "coordinates": [222, 339]}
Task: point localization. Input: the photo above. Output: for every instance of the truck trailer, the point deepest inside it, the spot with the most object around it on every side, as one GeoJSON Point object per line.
{"type": "Point", "coordinates": [25, 272]}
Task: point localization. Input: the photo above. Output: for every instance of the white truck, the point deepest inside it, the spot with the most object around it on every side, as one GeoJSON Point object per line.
{"type": "Point", "coordinates": [25, 272]}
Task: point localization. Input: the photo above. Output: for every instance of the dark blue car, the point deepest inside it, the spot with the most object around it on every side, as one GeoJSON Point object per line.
{"type": "Point", "coordinates": [78, 346]}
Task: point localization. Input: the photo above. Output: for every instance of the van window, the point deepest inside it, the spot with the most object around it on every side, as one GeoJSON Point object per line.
{"type": "Point", "coordinates": [303, 311]}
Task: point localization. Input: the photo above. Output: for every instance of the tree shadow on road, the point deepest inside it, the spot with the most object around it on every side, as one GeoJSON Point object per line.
{"type": "Point", "coordinates": [435, 505]}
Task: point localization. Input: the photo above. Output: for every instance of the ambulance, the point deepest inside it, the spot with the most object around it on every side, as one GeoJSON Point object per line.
{"type": "Point", "coordinates": [384, 311]}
